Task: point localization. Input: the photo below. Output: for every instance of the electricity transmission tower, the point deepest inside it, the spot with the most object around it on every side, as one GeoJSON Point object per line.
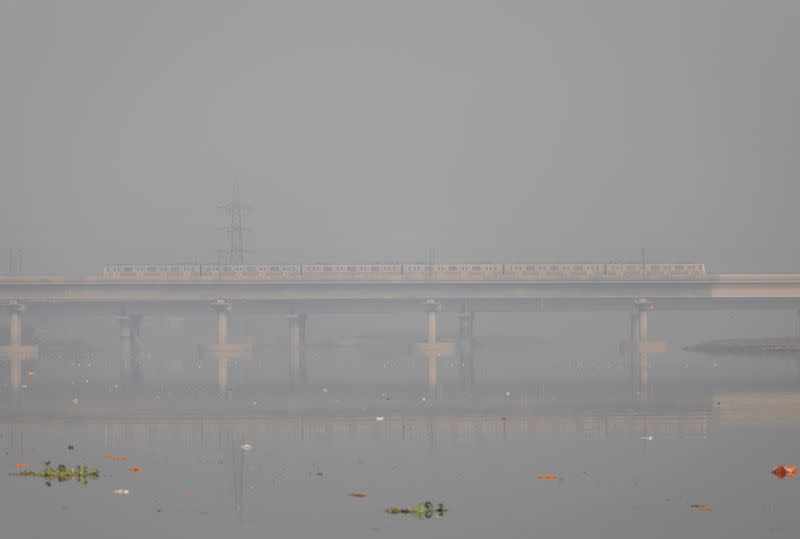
{"type": "Point", "coordinates": [234, 254]}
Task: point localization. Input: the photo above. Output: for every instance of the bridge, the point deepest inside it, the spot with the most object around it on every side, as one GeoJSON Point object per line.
{"type": "Point", "coordinates": [132, 299]}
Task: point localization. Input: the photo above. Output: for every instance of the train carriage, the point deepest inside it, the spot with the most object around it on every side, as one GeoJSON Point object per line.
{"type": "Point", "coordinates": [403, 272]}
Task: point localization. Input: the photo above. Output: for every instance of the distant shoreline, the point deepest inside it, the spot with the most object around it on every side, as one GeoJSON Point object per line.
{"type": "Point", "coordinates": [780, 345]}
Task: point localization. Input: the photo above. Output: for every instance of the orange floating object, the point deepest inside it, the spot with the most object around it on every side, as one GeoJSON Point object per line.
{"type": "Point", "coordinates": [548, 476]}
{"type": "Point", "coordinates": [785, 471]}
{"type": "Point", "coordinates": [357, 494]}
{"type": "Point", "coordinates": [21, 466]}
{"type": "Point", "coordinates": [109, 457]}
{"type": "Point", "coordinates": [701, 507]}
{"type": "Point", "coordinates": [29, 373]}
{"type": "Point", "coordinates": [134, 470]}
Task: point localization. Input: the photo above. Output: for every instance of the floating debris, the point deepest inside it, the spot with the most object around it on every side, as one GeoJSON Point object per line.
{"type": "Point", "coordinates": [61, 473]}
{"type": "Point", "coordinates": [701, 507]}
{"type": "Point", "coordinates": [134, 469]}
{"type": "Point", "coordinates": [785, 472]}
{"type": "Point", "coordinates": [246, 447]}
{"type": "Point", "coordinates": [421, 510]}
{"type": "Point", "coordinates": [357, 494]}
{"type": "Point", "coordinates": [379, 418]}
{"type": "Point", "coordinates": [548, 476]}
{"type": "Point", "coordinates": [21, 466]}
{"type": "Point", "coordinates": [648, 438]}
{"type": "Point", "coordinates": [30, 373]}
{"type": "Point", "coordinates": [121, 491]}
{"type": "Point", "coordinates": [115, 458]}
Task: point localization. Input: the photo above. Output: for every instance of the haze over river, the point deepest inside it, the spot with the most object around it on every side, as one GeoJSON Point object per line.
{"type": "Point", "coordinates": [708, 432]}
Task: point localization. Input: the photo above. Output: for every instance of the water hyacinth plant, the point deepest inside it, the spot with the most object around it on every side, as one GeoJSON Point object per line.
{"type": "Point", "coordinates": [61, 473]}
{"type": "Point", "coordinates": [421, 510]}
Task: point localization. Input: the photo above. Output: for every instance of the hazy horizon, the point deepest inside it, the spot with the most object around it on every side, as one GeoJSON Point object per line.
{"type": "Point", "coordinates": [377, 130]}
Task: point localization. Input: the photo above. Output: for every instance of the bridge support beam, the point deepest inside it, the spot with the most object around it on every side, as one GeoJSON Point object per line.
{"type": "Point", "coordinates": [297, 349]}
{"type": "Point", "coordinates": [640, 347]}
{"type": "Point", "coordinates": [797, 325]}
{"type": "Point", "coordinates": [137, 348]}
{"type": "Point", "coordinates": [131, 349]}
{"type": "Point", "coordinates": [15, 352]}
{"type": "Point", "coordinates": [125, 349]}
{"type": "Point", "coordinates": [15, 341]}
{"type": "Point", "coordinates": [466, 365]}
{"type": "Point", "coordinates": [223, 310]}
{"type": "Point", "coordinates": [433, 349]}
{"type": "Point", "coordinates": [224, 351]}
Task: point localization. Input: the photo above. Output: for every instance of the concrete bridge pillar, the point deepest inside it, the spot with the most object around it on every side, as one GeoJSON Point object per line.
{"type": "Point", "coordinates": [15, 342]}
{"type": "Point", "coordinates": [797, 325]}
{"type": "Point", "coordinates": [297, 349]}
{"type": "Point", "coordinates": [137, 347]}
{"type": "Point", "coordinates": [224, 351]}
{"type": "Point", "coordinates": [125, 349]}
{"type": "Point", "coordinates": [433, 349]}
{"type": "Point", "coordinates": [433, 309]}
{"type": "Point", "coordinates": [15, 352]}
{"type": "Point", "coordinates": [15, 323]}
{"type": "Point", "coordinates": [223, 310]}
{"type": "Point", "coordinates": [640, 347]}
{"type": "Point", "coordinates": [465, 351]}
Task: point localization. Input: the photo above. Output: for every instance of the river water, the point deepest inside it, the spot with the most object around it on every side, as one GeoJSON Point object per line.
{"type": "Point", "coordinates": [277, 463]}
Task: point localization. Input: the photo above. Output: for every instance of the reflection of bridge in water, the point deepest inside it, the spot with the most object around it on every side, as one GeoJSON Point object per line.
{"type": "Point", "coordinates": [589, 425]}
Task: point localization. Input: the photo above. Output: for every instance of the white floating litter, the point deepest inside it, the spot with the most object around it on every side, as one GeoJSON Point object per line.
{"type": "Point", "coordinates": [121, 491]}
{"type": "Point", "coordinates": [246, 447]}
{"type": "Point", "coordinates": [379, 418]}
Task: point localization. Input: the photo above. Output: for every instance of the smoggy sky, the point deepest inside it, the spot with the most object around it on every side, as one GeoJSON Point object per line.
{"type": "Point", "coordinates": [373, 130]}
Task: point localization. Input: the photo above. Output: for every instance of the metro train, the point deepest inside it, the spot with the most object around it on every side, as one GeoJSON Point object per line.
{"type": "Point", "coordinates": [404, 272]}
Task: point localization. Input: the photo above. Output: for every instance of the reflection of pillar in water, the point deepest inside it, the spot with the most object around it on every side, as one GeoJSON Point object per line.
{"type": "Point", "coordinates": [238, 476]}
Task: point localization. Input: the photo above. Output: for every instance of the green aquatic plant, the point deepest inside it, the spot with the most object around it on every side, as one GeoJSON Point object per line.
{"type": "Point", "coordinates": [421, 510]}
{"type": "Point", "coordinates": [61, 473]}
